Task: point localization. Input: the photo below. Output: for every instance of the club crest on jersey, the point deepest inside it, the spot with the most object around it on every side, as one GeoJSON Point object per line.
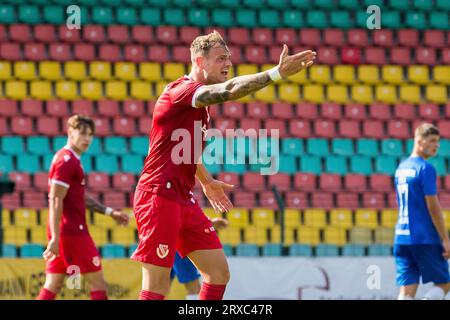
{"type": "Point", "coordinates": [162, 251]}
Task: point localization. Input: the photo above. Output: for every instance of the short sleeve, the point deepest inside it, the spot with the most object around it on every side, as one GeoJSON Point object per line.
{"type": "Point", "coordinates": [428, 180]}
{"type": "Point", "coordinates": [183, 94]}
{"type": "Point", "coordinates": [63, 172]}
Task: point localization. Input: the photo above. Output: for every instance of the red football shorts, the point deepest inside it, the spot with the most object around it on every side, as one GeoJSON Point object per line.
{"type": "Point", "coordinates": [166, 226]}
{"type": "Point", "coordinates": [76, 254]}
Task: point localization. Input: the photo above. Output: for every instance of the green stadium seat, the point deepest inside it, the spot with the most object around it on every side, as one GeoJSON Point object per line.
{"type": "Point", "coordinates": [386, 165]}
{"type": "Point", "coordinates": [278, 4]}
{"type": "Point", "coordinates": [38, 145]}
{"type": "Point", "coordinates": [85, 18]}
{"type": "Point", "coordinates": [247, 250]}
{"type": "Point", "coordinates": [301, 4]}
{"type": "Point", "coordinates": [6, 163]}
{"type": "Point", "coordinates": [439, 20]}
{"type": "Point", "coordinates": [131, 249]}
{"type": "Point", "coordinates": [132, 163]}
{"type": "Point", "coordinates": [361, 19]}
{"type": "Point", "coordinates": [391, 20]}
{"type": "Point", "coordinates": [235, 168]}
{"type": "Point", "coordinates": [136, 2]}
{"type": "Point", "coordinates": [8, 251]}
{"type": "Point", "coordinates": [29, 14]}
{"type": "Point", "coordinates": [410, 145]}
{"type": "Point", "coordinates": [151, 16]}
{"type": "Point", "coordinates": [269, 18]}
{"type": "Point", "coordinates": [317, 147]}
{"type": "Point", "coordinates": [47, 161]}
{"type": "Point", "coordinates": [293, 19]}
{"type": "Point", "coordinates": [229, 3]}
{"type": "Point", "coordinates": [415, 20]}
{"type": "Point", "coordinates": [367, 147]}
{"type": "Point", "coordinates": [300, 250]}
{"type": "Point", "coordinates": [59, 142]}
{"type": "Point", "coordinates": [272, 250]}
{"type": "Point", "coordinates": [198, 17]}
{"type": "Point", "coordinates": [327, 250]}
{"type": "Point", "coordinates": [377, 249]}
{"type": "Point", "coordinates": [28, 163]}
{"type": "Point", "coordinates": [399, 5]}
{"type": "Point", "coordinates": [325, 4]}
{"type": "Point", "coordinates": [106, 163]}
{"type": "Point", "coordinates": [7, 14]}
{"type": "Point", "coordinates": [361, 165]}
{"type": "Point", "coordinates": [112, 3]}
{"type": "Point", "coordinates": [126, 15]}
{"type": "Point", "coordinates": [86, 2]}
{"type": "Point", "coordinates": [443, 4]}
{"type": "Point", "coordinates": [216, 168]}
{"type": "Point", "coordinates": [54, 14]}
{"type": "Point", "coordinates": [341, 19]}
{"type": "Point", "coordinates": [246, 18]}
{"type": "Point", "coordinates": [228, 249]}
{"type": "Point", "coordinates": [311, 164]}
{"type": "Point", "coordinates": [342, 147]}
{"type": "Point", "coordinates": [316, 19]}
{"type": "Point", "coordinates": [439, 164]}
{"type": "Point", "coordinates": [112, 250]}
{"type": "Point", "coordinates": [392, 147]}
{"type": "Point", "coordinates": [423, 5]}
{"type": "Point", "coordinates": [102, 15]}
{"type": "Point", "coordinates": [288, 164]}
{"type": "Point", "coordinates": [336, 164]}
{"type": "Point", "coordinates": [174, 16]}
{"type": "Point", "coordinates": [292, 146]}
{"type": "Point", "coordinates": [256, 4]}
{"type": "Point", "coordinates": [353, 250]}
{"type": "Point", "coordinates": [31, 250]}
{"type": "Point", "coordinates": [139, 145]}
{"type": "Point", "coordinates": [159, 3]}
{"type": "Point", "coordinates": [222, 18]}
{"type": "Point", "coordinates": [39, 1]}
{"type": "Point", "coordinates": [12, 145]}
{"type": "Point", "coordinates": [86, 162]}
{"type": "Point", "coordinates": [444, 149]}
{"type": "Point", "coordinates": [379, 3]}
{"type": "Point", "coordinates": [115, 145]}
{"type": "Point", "coordinates": [349, 4]}
{"type": "Point", "coordinates": [95, 147]}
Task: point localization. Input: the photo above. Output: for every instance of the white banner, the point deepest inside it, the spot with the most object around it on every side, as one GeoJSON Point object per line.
{"type": "Point", "coordinates": [314, 278]}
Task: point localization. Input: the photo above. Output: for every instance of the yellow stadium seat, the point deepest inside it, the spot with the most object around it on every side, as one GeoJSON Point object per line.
{"type": "Point", "coordinates": [275, 235]}
{"type": "Point", "coordinates": [441, 74]}
{"type": "Point", "coordinates": [91, 90]}
{"type": "Point", "coordinates": [418, 74]}
{"type": "Point", "coordinates": [243, 69]}
{"type": "Point", "coordinates": [308, 235]}
{"type": "Point", "coordinates": [262, 217]}
{"type": "Point", "coordinates": [337, 93]}
{"type": "Point", "coordinates": [384, 235]}
{"type": "Point", "coordinates": [41, 90]}
{"type": "Point", "coordinates": [362, 93]}
{"type": "Point", "coordinates": [39, 235]}
{"type": "Point", "coordinates": [392, 74]}
{"type": "Point", "coordinates": [67, 90]}
{"type": "Point", "coordinates": [125, 70]}
{"type": "Point", "coordinates": [142, 90]}
{"type": "Point", "coordinates": [386, 93]}
{"type": "Point", "coordinates": [410, 93]}
{"type": "Point", "coordinates": [5, 70]}
{"type": "Point", "coordinates": [75, 70]}
{"type": "Point", "coordinates": [266, 94]}
{"type": "Point", "coordinates": [266, 67]}
{"type": "Point", "coordinates": [123, 235]}
{"type": "Point", "coordinates": [313, 93]}
{"type": "Point", "coordinates": [16, 90]}
{"type": "Point", "coordinates": [6, 218]}
{"type": "Point", "coordinates": [101, 220]}
{"type": "Point", "coordinates": [15, 235]}
{"type": "Point", "coordinates": [50, 70]}
{"type": "Point", "coordinates": [436, 93]}
{"type": "Point", "coordinates": [446, 214]}
{"type": "Point", "coordinates": [43, 217]}
{"type": "Point", "coordinates": [99, 234]}
{"type": "Point", "coordinates": [335, 235]}
{"type": "Point", "coordinates": [292, 218]}
{"type": "Point", "coordinates": [341, 218]}
{"type": "Point", "coordinates": [344, 74]}
{"type": "Point", "coordinates": [150, 71]}
{"type": "Point", "coordinates": [100, 70]}
{"type": "Point", "coordinates": [389, 218]}
{"type": "Point", "coordinates": [160, 86]}
{"type": "Point", "coordinates": [211, 214]}
{"type": "Point", "coordinates": [116, 90]}
{"type": "Point", "coordinates": [315, 218]}
{"type": "Point", "coordinates": [299, 77]}
{"type": "Point", "coordinates": [367, 218]}
{"type": "Point", "coordinates": [289, 92]}
{"type": "Point", "coordinates": [25, 70]}
{"type": "Point", "coordinates": [238, 217]}
{"type": "Point", "coordinates": [368, 74]}
{"type": "Point", "coordinates": [360, 235]}
{"type": "Point", "coordinates": [173, 71]}
{"type": "Point", "coordinates": [230, 235]}
{"type": "Point", "coordinates": [256, 235]}
{"type": "Point", "coordinates": [25, 217]}
{"type": "Point", "coordinates": [320, 74]}
{"type": "Point", "coordinates": [2, 93]}
{"type": "Point", "coordinates": [231, 73]}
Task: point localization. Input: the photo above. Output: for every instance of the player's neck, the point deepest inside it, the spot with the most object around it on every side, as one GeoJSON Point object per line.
{"type": "Point", "coordinates": [74, 149]}
{"type": "Point", "coordinates": [197, 76]}
{"type": "Point", "coordinates": [417, 153]}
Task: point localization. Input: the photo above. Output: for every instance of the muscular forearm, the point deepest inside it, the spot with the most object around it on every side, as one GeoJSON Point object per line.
{"type": "Point", "coordinates": [55, 213]}
{"type": "Point", "coordinates": [203, 175]}
{"type": "Point", "coordinates": [94, 205]}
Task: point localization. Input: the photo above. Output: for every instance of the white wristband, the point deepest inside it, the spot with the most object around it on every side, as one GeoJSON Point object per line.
{"type": "Point", "coordinates": [274, 74]}
{"type": "Point", "coordinates": [109, 211]}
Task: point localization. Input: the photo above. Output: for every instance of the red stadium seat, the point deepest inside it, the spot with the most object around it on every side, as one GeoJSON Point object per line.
{"type": "Point", "coordinates": [380, 111]}
{"type": "Point", "coordinates": [351, 55]}
{"type": "Point", "coordinates": [429, 110]}
{"type": "Point", "coordinates": [250, 124]}
{"type": "Point", "coordinates": [69, 35]}
{"type": "Point", "coordinates": [115, 199]}
{"type": "Point", "coordinates": [305, 181]}
{"type": "Point", "coordinates": [444, 199]}
{"type": "Point", "coordinates": [398, 129]}
{"type": "Point", "coordinates": [41, 181]}
{"type": "Point", "coordinates": [447, 110]}
{"type": "Point", "coordinates": [275, 124]}
{"type": "Point", "coordinates": [98, 181]}
{"type": "Point", "coordinates": [392, 200]}
{"type": "Point", "coordinates": [374, 200]}
{"type": "Point", "coordinates": [118, 34]}
{"type": "Point", "coordinates": [220, 30]}
{"type": "Point", "coordinates": [102, 127]}
{"type": "Point", "coordinates": [3, 35]}
{"type": "Point", "coordinates": [135, 53]}
{"type": "Point", "coordinates": [307, 110]}
{"type": "Point", "coordinates": [274, 54]}
{"type": "Point", "coordinates": [322, 200]}
{"type": "Point", "coordinates": [167, 34]}
{"type": "Point", "coordinates": [35, 51]}
{"type": "Point", "coordinates": [380, 182]}
{"type": "Point", "coordinates": [60, 52]}
{"type": "Point", "coordinates": [375, 56]}
{"type": "Point", "coordinates": [45, 33]}
{"type": "Point", "coordinates": [3, 127]}
{"type": "Point", "coordinates": [327, 55]}
{"type": "Point", "coordinates": [257, 109]}
{"type": "Point", "coordinates": [10, 51]}
{"type": "Point", "coordinates": [20, 32]}
{"type": "Point", "coordinates": [243, 199]}
{"type": "Point", "coordinates": [355, 182]}
{"type": "Point", "coordinates": [445, 55]}
{"type": "Point", "coordinates": [236, 54]}
{"type": "Point", "coordinates": [233, 109]}
{"type": "Point", "coordinates": [405, 111]}
{"type": "Point", "coordinates": [357, 37]}
{"type": "Point", "coordinates": [282, 110]}
{"type": "Point", "coordinates": [32, 108]}
{"type": "Point", "coordinates": [331, 110]}
{"type": "Point", "coordinates": [134, 108]}
{"type": "Point", "coordinates": [300, 128]}
{"type": "Point", "coordinates": [83, 106]}
{"type": "Point", "coordinates": [57, 108]}
{"type": "Point", "coordinates": [158, 53]}
{"type": "Point", "coordinates": [439, 183]}
{"type": "Point", "coordinates": [401, 56]}
{"type": "Point", "coordinates": [347, 200]}
{"type": "Point", "coordinates": [94, 33]}
{"type": "Point", "coordinates": [109, 52]}
{"type": "Point", "coordinates": [21, 179]}
{"type": "Point", "coordinates": [325, 128]}
{"type": "Point", "coordinates": [334, 37]}
{"type": "Point", "coordinates": [214, 111]}
{"type": "Point", "coordinates": [310, 37]}
{"type": "Point", "coordinates": [12, 201]}
{"type": "Point", "coordinates": [181, 54]}
{"type": "Point", "coordinates": [22, 126]}
{"type": "Point", "coordinates": [296, 200]}
{"type": "Point", "coordinates": [224, 123]}
{"type": "Point", "coordinates": [142, 34]}
{"type": "Point", "coordinates": [123, 181]}
{"type": "Point", "coordinates": [434, 38]}
{"type": "Point", "coordinates": [230, 178]}
{"type": "Point", "coordinates": [350, 129]}
{"type": "Point", "coordinates": [238, 36]}
{"type": "Point", "coordinates": [408, 37]}
{"type": "Point", "coordinates": [355, 111]}
{"type": "Point", "coordinates": [8, 107]}
{"type": "Point", "coordinates": [383, 38]}
{"type": "Point", "coordinates": [48, 126]}
{"type": "Point", "coordinates": [262, 36]}
{"type": "Point", "coordinates": [286, 36]}
{"type": "Point", "coordinates": [444, 128]}
{"type": "Point", "coordinates": [188, 34]}
{"type": "Point", "coordinates": [124, 126]}
{"type": "Point", "coordinates": [447, 182]}
{"type": "Point", "coordinates": [84, 52]}
{"type": "Point", "coordinates": [108, 108]}
{"type": "Point", "coordinates": [373, 129]}
{"type": "Point", "coordinates": [281, 180]}
{"type": "Point", "coordinates": [267, 200]}
{"type": "Point", "coordinates": [330, 182]}
{"type": "Point", "coordinates": [426, 56]}
{"type": "Point", "coordinates": [255, 54]}
{"type": "Point", "coordinates": [144, 125]}
{"type": "Point", "coordinates": [253, 181]}
{"type": "Point", "coordinates": [36, 200]}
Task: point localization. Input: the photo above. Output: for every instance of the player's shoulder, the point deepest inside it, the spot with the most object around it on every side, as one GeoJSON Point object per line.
{"type": "Point", "coordinates": [183, 81]}
{"type": "Point", "coordinates": [65, 156]}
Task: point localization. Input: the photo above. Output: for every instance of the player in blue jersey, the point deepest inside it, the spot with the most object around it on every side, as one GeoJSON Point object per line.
{"type": "Point", "coordinates": [421, 245]}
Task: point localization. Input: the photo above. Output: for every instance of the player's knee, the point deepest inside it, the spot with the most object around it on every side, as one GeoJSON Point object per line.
{"type": "Point", "coordinates": [218, 276]}
{"type": "Point", "coordinates": [53, 286]}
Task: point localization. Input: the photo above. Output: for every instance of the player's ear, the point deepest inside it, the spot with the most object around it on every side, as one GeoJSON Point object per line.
{"type": "Point", "coordinates": [199, 60]}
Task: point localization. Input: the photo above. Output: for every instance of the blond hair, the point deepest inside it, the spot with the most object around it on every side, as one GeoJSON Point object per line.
{"type": "Point", "coordinates": [425, 129]}
{"type": "Point", "coordinates": [203, 44]}
{"type": "Point", "coordinates": [81, 122]}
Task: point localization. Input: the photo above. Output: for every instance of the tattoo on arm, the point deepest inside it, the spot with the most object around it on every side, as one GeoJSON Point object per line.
{"type": "Point", "coordinates": [94, 205]}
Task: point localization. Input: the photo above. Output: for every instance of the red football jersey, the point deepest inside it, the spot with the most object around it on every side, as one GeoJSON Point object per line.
{"type": "Point", "coordinates": [66, 170]}
{"type": "Point", "coordinates": [169, 170]}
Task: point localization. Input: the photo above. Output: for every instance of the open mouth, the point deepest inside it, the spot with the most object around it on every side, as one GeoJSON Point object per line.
{"type": "Point", "coordinates": [225, 73]}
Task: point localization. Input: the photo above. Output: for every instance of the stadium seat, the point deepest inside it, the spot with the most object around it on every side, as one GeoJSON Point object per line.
{"type": "Point", "coordinates": [263, 218]}
{"type": "Point", "coordinates": [99, 234]}
{"type": "Point", "coordinates": [31, 250]}
{"type": "Point", "coordinates": [300, 250]}
{"type": "Point", "coordinates": [379, 250]}
{"type": "Point", "coordinates": [247, 250]}
{"type": "Point", "coordinates": [123, 235]}
{"type": "Point", "coordinates": [25, 217]}
{"type": "Point", "coordinates": [230, 236]}
{"type": "Point", "coordinates": [57, 108]}
{"type": "Point", "coordinates": [335, 235]}
{"type": "Point", "coordinates": [366, 218]}
{"type": "Point", "coordinates": [384, 235]}
{"type": "Point", "coordinates": [330, 182]}
{"type": "Point", "coordinates": [272, 250]}
{"type": "Point", "coordinates": [341, 218]}
{"type": "Point", "coordinates": [112, 250]}
{"type": "Point", "coordinates": [38, 235]}
{"type": "Point", "coordinates": [353, 250]}
{"type": "Point", "coordinates": [327, 250]}
{"type": "Point", "coordinates": [308, 235]}
{"type": "Point", "coordinates": [15, 235]}
{"type": "Point", "coordinates": [360, 235]}
{"type": "Point", "coordinates": [315, 218]}
{"type": "Point", "coordinates": [238, 218]}
{"type": "Point", "coordinates": [375, 55]}
{"type": "Point", "coordinates": [8, 250]}
{"type": "Point", "coordinates": [388, 218]}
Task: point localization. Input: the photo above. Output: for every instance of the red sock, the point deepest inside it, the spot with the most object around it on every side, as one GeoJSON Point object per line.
{"type": "Point", "coordinates": [211, 291]}
{"type": "Point", "coordinates": [46, 294]}
{"type": "Point", "coordinates": [99, 295]}
{"type": "Point", "coordinates": [148, 295]}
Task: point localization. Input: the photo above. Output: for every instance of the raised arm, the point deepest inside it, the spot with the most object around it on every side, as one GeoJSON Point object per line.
{"type": "Point", "coordinates": [241, 86]}
{"type": "Point", "coordinates": [438, 220]}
